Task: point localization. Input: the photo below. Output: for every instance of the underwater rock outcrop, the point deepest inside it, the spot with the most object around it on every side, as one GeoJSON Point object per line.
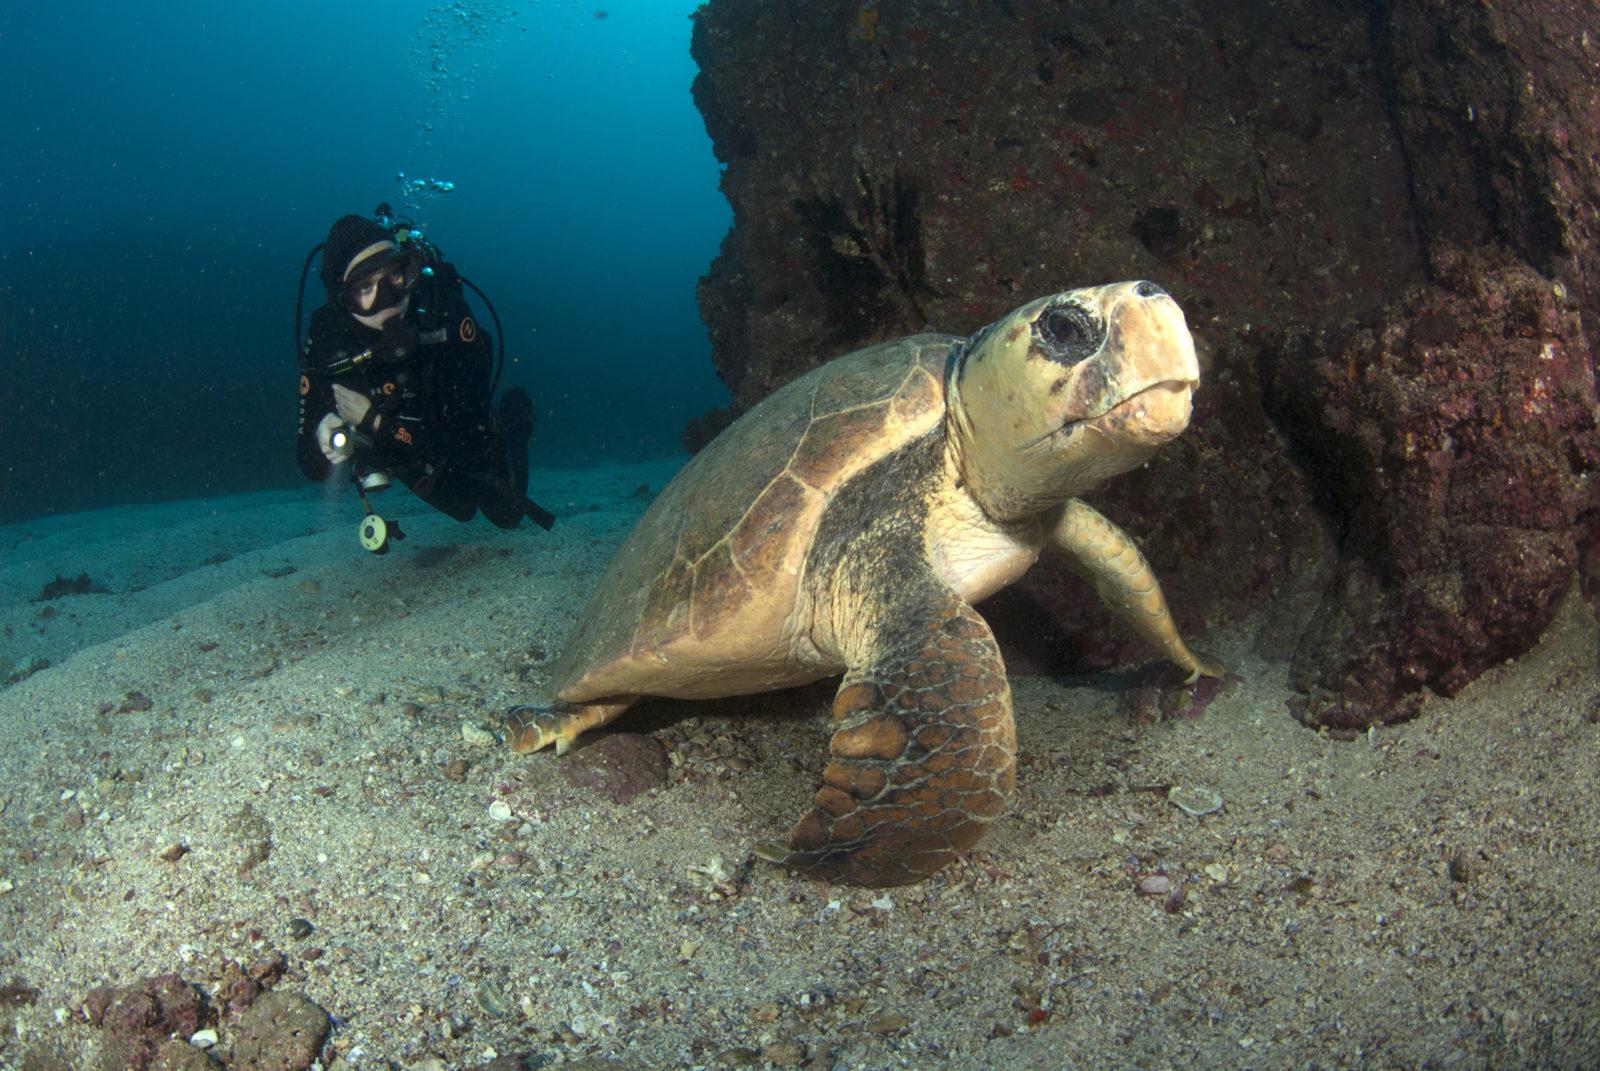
{"type": "Point", "coordinates": [1382, 219]}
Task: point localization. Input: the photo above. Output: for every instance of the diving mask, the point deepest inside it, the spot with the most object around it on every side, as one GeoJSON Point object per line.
{"type": "Point", "coordinates": [380, 282]}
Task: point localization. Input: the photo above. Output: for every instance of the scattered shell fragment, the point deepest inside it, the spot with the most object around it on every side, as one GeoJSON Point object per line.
{"type": "Point", "coordinates": [715, 869]}
{"type": "Point", "coordinates": [500, 811]}
{"type": "Point", "coordinates": [203, 1039]}
{"type": "Point", "coordinates": [1217, 873]}
{"type": "Point", "coordinates": [491, 998]}
{"type": "Point", "coordinates": [1194, 800]}
{"type": "Point", "coordinates": [887, 1023]}
{"type": "Point", "coordinates": [478, 735]}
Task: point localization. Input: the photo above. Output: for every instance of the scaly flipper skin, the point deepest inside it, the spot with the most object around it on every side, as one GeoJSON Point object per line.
{"type": "Point", "coordinates": [924, 760]}
{"type": "Point", "coordinates": [1103, 554]}
{"type": "Point", "coordinates": [532, 728]}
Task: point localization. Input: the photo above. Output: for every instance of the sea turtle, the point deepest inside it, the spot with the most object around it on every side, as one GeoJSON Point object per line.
{"type": "Point", "coordinates": [848, 522]}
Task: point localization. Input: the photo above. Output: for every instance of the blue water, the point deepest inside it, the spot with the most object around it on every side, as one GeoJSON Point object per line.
{"type": "Point", "coordinates": [167, 167]}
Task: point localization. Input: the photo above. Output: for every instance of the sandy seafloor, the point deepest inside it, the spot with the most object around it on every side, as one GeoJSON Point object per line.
{"type": "Point", "coordinates": [1423, 896]}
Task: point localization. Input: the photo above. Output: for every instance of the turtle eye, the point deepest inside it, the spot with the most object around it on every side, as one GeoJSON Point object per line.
{"type": "Point", "coordinates": [1068, 333]}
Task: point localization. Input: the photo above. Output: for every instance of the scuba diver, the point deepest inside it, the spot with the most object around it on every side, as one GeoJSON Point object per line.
{"type": "Point", "coordinates": [396, 377]}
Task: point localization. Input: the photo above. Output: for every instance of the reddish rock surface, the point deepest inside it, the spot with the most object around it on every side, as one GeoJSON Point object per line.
{"type": "Point", "coordinates": [1365, 211]}
{"type": "Point", "coordinates": [1458, 435]}
{"type": "Point", "coordinates": [137, 1019]}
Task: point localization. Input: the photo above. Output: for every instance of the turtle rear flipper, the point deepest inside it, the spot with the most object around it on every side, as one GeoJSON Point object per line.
{"type": "Point", "coordinates": [925, 758]}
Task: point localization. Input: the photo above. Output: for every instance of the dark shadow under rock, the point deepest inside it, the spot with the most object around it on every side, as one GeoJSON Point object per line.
{"type": "Point", "coordinates": [617, 766]}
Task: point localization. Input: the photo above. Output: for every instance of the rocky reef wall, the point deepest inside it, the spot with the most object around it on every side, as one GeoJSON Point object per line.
{"type": "Point", "coordinates": [1383, 221]}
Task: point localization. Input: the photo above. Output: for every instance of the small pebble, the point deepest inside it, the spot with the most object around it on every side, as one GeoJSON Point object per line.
{"type": "Point", "coordinates": [1155, 885]}
{"type": "Point", "coordinates": [888, 1023]}
{"type": "Point", "coordinates": [300, 929]}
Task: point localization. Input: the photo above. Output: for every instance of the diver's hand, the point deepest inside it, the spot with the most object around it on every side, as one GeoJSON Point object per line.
{"type": "Point", "coordinates": [329, 424]}
{"type": "Point", "coordinates": [355, 407]}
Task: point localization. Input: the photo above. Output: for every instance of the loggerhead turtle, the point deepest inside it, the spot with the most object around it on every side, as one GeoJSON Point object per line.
{"type": "Point", "coordinates": [848, 522]}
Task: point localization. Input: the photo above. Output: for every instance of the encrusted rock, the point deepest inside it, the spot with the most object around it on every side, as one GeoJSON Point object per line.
{"type": "Point", "coordinates": [137, 1019]}
{"type": "Point", "coordinates": [280, 1032]}
{"type": "Point", "coordinates": [1459, 432]}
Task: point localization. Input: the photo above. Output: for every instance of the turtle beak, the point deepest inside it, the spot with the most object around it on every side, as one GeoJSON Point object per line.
{"type": "Point", "coordinates": [1158, 373]}
{"type": "Point", "coordinates": [1153, 416]}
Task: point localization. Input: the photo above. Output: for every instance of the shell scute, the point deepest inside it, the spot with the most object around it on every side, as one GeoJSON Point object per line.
{"type": "Point", "coordinates": [832, 440]}
{"type": "Point", "coordinates": [758, 544]}
{"type": "Point", "coordinates": [719, 590]}
{"type": "Point", "coordinates": [699, 600]}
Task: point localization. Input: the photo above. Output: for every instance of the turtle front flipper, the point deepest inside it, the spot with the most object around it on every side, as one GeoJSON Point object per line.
{"type": "Point", "coordinates": [1102, 554]}
{"type": "Point", "coordinates": [532, 728]}
{"type": "Point", "coordinates": [925, 757]}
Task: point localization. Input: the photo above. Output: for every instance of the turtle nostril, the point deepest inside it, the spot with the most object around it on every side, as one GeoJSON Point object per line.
{"type": "Point", "coordinates": [1145, 288]}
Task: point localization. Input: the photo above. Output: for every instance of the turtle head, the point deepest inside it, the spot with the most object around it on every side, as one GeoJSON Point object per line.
{"type": "Point", "coordinates": [1067, 392]}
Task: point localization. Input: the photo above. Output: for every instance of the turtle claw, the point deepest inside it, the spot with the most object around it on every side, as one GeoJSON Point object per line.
{"type": "Point", "coordinates": [770, 851]}
{"type": "Point", "coordinates": [1205, 668]}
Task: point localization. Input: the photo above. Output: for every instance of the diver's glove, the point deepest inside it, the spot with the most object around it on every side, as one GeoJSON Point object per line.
{"type": "Point", "coordinates": [356, 408]}
{"type": "Point", "coordinates": [341, 453]}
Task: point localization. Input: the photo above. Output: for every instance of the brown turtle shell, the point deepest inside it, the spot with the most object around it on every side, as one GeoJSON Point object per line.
{"type": "Point", "coordinates": [700, 600]}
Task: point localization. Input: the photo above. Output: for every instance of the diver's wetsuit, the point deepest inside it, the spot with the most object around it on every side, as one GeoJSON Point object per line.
{"type": "Point", "coordinates": [429, 376]}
